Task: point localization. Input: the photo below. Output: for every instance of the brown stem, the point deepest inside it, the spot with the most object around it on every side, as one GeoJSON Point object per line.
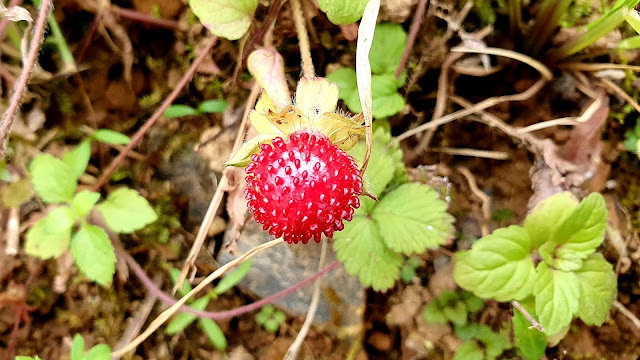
{"type": "Point", "coordinates": [137, 137]}
{"type": "Point", "coordinates": [137, 16]}
{"type": "Point", "coordinates": [21, 85]}
{"type": "Point", "coordinates": [413, 33]}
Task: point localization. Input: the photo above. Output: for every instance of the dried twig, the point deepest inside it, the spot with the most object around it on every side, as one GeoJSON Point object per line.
{"type": "Point", "coordinates": [27, 67]}
{"type": "Point", "coordinates": [534, 323]}
{"type": "Point", "coordinates": [487, 154]}
{"type": "Point", "coordinates": [292, 352]}
{"type": "Point", "coordinates": [12, 233]}
{"type": "Point", "coordinates": [484, 198]}
{"type": "Point", "coordinates": [634, 319]}
{"type": "Point", "coordinates": [617, 90]}
{"type": "Point", "coordinates": [137, 137]}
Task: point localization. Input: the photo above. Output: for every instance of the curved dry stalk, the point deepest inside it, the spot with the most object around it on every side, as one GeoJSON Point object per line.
{"type": "Point", "coordinates": [616, 89]}
{"type": "Point", "coordinates": [487, 154]}
{"type": "Point", "coordinates": [27, 67]}
{"type": "Point", "coordinates": [566, 121]}
{"type": "Point", "coordinates": [165, 315]}
{"type": "Point", "coordinates": [303, 38]}
{"type": "Point", "coordinates": [292, 352]}
{"type": "Point", "coordinates": [542, 68]}
{"type": "Point", "coordinates": [597, 67]}
{"type": "Point", "coordinates": [217, 196]}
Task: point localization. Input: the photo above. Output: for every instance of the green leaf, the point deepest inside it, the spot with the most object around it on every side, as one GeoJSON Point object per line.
{"type": "Point", "coordinates": [279, 316]}
{"type": "Point", "coordinates": [214, 333]}
{"type": "Point", "coordinates": [469, 350]}
{"type": "Point", "coordinates": [212, 106]}
{"type": "Point", "coordinates": [242, 156]}
{"type": "Point", "coordinates": [59, 220]}
{"type": "Point", "coordinates": [125, 211]}
{"type": "Point", "coordinates": [78, 158]}
{"type": "Point", "coordinates": [77, 347]}
{"type": "Point", "coordinates": [434, 314]}
{"type": "Point", "coordinates": [44, 244]}
{"type": "Point", "coordinates": [99, 352]}
{"type": "Point", "coordinates": [27, 358]}
{"type": "Point", "coordinates": [547, 216]}
{"type": "Point", "coordinates": [386, 100]}
{"type": "Point", "coordinates": [598, 284]}
{"type": "Point", "coordinates": [456, 313]}
{"type": "Point", "coordinates": [226, 18]}
{"type": "Point", "coordinates": [17, 193]}
{"type": "Point", "coordinates": [84, 201]}
{"type": "Point", "coordinates": [557, 296]}
{"type": "Point", "coordinates": [347, 87]}
{"type": "Point", "coordinates": [498, 266]}
{"type": "Point", "coordinates": [578, 235]}
{"type": "Point", "coordinates": [387, 47]}
{"type": "Point", "coordinates": [413, 218]}
{"type": "Point", "coordinates": [175, 275]}
{"type": "Point", "coordinates": [185, 318]}
{"type": "Point", "coordinates": [474, 303]}
{"type": "Point", "coordinates": [178, 110]}
{"type": "Point", "coordinates": [233, 278]}
{"type": "Point", "coordinates": [111, 137]}
{"type": "Point", "coordinates": [271, 325]}
{"type": "Point", "coordinates": [363, 252]}
{"type": "Point", "coordinates": [531, 342]}
{"type": "Point", "coordinates": [94, 254]}
{"type": "Point", "coordinates": [630, 43]}
{"type": "Point", "coordinates": [342, 12]}
{"type": "Point", "coordinates": [52, 179]}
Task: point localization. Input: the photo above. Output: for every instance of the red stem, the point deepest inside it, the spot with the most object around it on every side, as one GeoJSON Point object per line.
{"type": "Point", "coordinates": [145, 18]}
{"type": "Point", "coordinates": [411, 39]}
{"type": "Point", "coordinates": [137, 137]}
{"type": "Point", "coordinates": [227, 314]}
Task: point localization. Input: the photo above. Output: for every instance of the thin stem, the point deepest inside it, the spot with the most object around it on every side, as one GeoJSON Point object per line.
{"type": "Point", "coordinates": [145, 18]}
{"type": "Point", "coordinates": [165, 315]}
{"type": "Point", "coordinates": [515, 16]}
{"type": "Point", "coordinates": [547, 20]}
{"type": "Point", "coordinates": [303, 39]}
{"type": "Point", "coordinates": [413, 32]}
{"type": "Point", "coordinates": [21, 85]}
{"type": "Point", "coordinates": [68, 62]}
{"type": "Point", "coordinates": [534, 323]}
{"type": "Point", "coordinates": [137, 137]}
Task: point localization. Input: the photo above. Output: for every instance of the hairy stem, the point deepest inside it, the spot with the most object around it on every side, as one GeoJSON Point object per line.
{"type": "Point", "coordinates": [303, 39]}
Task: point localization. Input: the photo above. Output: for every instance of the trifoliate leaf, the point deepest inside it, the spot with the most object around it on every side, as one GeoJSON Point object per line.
{"type": "Point", "coordinates": [547, 216]}
{"type": "Point", "coordinates": [388, 45]}
{"type": "Point", "coordinates": [412, 218]}
{"type": "Point", "coordinates": [498, 266]}
{"type": "Point", "coordinates": [214, 333]}
{"type": "Point", "coordinates": [84, 201]}
{"type": "Point", "coordinates": [434, 314]}
{"type": "Point", "coordinates": [59, 220]}
{"type": "Point", "coordinates": [583, 231]}
{"type": "Point", "coordinates": [342, 12]}
{"type": "Point", "coordinates": [94, 254]}
{"type": "Point", "coordinates": [52, 179]}
{"type": "Point", "coordinates": [233, 278]}
{"type": "Point", "coordinates": [557, 296]}
{"type": "Point", "coordinates": [456, 313]}
{"type": "Point", "coordinates": [179, 110]}
{"type": "Point", "coordinates": [474, 303]}
{"type": "Point", "coordinates": [226, 18]}
{"type": "Point", "coordinates": [386, 100]}
{"type": "Point", "coordinates": [78, 158]}
{"type": "Point", "coordinates": [598, 284]}
{"type": "Point", "coordinates": [125, 211]}
{"type": "Point", "coordinates": [99, 352]}
{"type": "Point", "coordinates": [362, 251]}
{"type": "Point", "coordinates": [184, 319]}
{"type": "Point", "coordinates": [44, 244]}
{"type": "Point", "coordinates": [111, 137]}
{"type": "Point", "coordinates": [469, 350]}
{"type": "Point", "coordinates": [242, 156]}
{"type": "Point", "coordinates": [212, 106]}
{"type": "Point", "coordinates": [531, 342]}
{"type": "Point", "coordinates": [17, 193]}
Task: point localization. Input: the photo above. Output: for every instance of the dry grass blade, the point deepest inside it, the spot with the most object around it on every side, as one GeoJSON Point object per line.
{"type": "Point", "coordinates": [165, 315]}
{"type": "Point", "coordinates": [363, 71]}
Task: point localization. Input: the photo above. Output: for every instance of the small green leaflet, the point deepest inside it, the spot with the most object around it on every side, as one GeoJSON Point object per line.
{"type": "Point", "coordinates": [78, 158]}
{"type": "Point", "coordinates": [557, 296]}
{"type": "Point", "coordinates": [226, 18]}
{"type": "Point", "coordinates": [98, 352]}
{"type": "Point", "coordinates": [242, 156]}
{"type": "Point", "coordinates": [531, 342]}
{"type": "Point", "coordinates": [59, 220]}
{"type": "Point", "coordinates": [178, 110]}
{"type": "Point", "coordinates": [233, 278]}
{"type": "Point", "coordinates": [44, 244]}
{"type": "Point", "coordinates": [214, 333]}
{"type": "Point", "coordinates": [598, 284]}
{"type": "Point", "coordinates": [342, 12]}
{"type": "Point", "coordinates": [547, 216]}
{"type": "Point", "coordinates": [184, 319]}
{"type": "Point", "coordinates": [498, 266]}
{"type": "Point", "coordinates": [388, 45]}
{"type": "Point", "coordinates": [363, 252]}
{"type": "Point", "coordinates": [84, 201]}
{"type": "Point", "coordinates": [125, 211]}
{"type": "Point", "coordinates": [412, 218]}
{"type": "Point", "coordinates": [77, 347]}
{"type": "Point", "coordinates": [212, 106]}
{"type": "Point", "coordinates": [111, 137]}
{"type": "Point", "coordinates": [52, 179]}
{"type": "Point", "coordinates": [93, 253]}
{"type": "Point", "coordinates": [433, 313]}
{"type": "Point", "coordinates": [469, 350]}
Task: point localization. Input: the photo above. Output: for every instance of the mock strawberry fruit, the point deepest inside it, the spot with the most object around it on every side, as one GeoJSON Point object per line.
{"type": "Point", "coordinates": [303, 187]}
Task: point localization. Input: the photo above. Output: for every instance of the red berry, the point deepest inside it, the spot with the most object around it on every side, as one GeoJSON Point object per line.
{"type": "Point", "coordinates": [302, 188]}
